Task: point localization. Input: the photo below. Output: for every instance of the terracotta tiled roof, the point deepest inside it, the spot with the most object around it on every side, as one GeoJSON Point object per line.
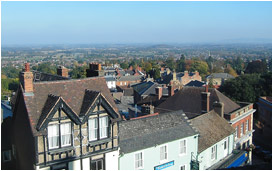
{"type": "Point", "coordinates": [189, 100]}
{"type": "Point", "coordinates": [73, 92]}
{"type": "Point", "coordinates": [212, 129]}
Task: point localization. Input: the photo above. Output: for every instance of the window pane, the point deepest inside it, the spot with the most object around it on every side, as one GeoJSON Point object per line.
{"type": "Point", "coordinates": [66, 134]}
{"type": "Point", "coordinates": [100, 165]}
{"type": "Point", "coordinates": [103, 127]}
{"type": "Point", "coordinates": [53, 136]}
{"type": "Point", "coordinates": [163, 152]}
{"type": "Point", "coordinates": [93, 129]}
{"type": "Point", "coordinates": [183, 147]}
{"type": "Point", "coordinates": [138, 161]}
{"type": "Point", "coordinates": [93, 165]}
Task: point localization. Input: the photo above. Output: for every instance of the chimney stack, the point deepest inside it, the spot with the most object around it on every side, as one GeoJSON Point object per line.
{"type": "Point", "coordinates": [94, 70]}
{"type": "Point", "coordinates": [62, 71]}
{"type": "Point", "coordinates": [170, 90]}
{"type": "Point", "coordinates": [205, 100]}
{"type": "Point", "coordinates": [26, 79]}
{"type": "Point", "coordinates": [219, 108]}
{"type": "Point", "coordinates": [158, 91]}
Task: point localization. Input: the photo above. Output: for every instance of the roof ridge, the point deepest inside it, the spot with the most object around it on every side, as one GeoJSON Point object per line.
{"type": "Point", "coordinates": [69, 80]}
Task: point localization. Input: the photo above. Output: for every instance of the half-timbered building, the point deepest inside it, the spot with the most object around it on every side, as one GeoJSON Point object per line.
{"type": "Point", "coordinates": [65, 124]}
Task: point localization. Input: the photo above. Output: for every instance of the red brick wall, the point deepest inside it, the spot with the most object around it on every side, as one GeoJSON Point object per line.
{"type": "Point", "coordinates": [238, 123]}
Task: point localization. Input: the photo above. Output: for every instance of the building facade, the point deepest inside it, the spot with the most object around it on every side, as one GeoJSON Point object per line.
{"type": "Point", "coordinates": [65, 124]}
{"type": "Point", "coordinates": [156, 142]}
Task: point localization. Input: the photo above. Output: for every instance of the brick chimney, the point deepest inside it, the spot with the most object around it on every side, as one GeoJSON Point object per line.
{"type": "Point", "coordinates": [94, 70]}
{"type": "Point", "coordinates": [26, 79]}
{"type": "Point", "coordinates": [62, 71]}
{"type": "Point", "coordinates": [205, 100]}
{"type": "Point", "coordinates": [170, 90]}
{"type": "Point", "coordinates": [219, 108]}
{"type": "Point", "coordinates": [158, 91]}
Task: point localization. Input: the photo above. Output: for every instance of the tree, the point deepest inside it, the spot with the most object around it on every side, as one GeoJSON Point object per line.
{"type": "Point", "coordinates": [247, 87]}
{"type": "Point", "coordinates": [201, 67]}
{"type": "Point", "coordinates": [256, 67]}
{"type": "Point", "coordinates": [231, 71]}
{"type": "Point", "coordinates": [78, 72]}
{"type": "Point", "coordinates": [124, 65]}
{"type": "Point", "coordinates": [181, 64]}
{"type": "Point", "coordinates": [147, 66]}
{"type": "Point", "coordinates": [170, 63]}
{"type": "Point", "coordinates": [46, 68]}
{"type": "Point", "coordinates": [10, 72]}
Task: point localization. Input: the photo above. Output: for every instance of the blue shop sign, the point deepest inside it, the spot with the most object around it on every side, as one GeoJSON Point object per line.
{"type": "Point", "coordinates": [165, 165]}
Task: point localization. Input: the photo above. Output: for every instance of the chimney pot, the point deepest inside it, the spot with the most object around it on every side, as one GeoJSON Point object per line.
{"type": "Point", "coordinates": [27, 67]}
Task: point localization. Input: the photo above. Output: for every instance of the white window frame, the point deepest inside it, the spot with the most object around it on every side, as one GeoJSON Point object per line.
{"type": "Point", "coordinates": [213, 152]}
{"type": "Point", "coordinates": [183, 147]}
{"type": "Point", "coordinates": [92, 129]}
{"type": "Point", "coordinates": [185, 167]}
{"type": "Point", "coordinates": [49, 135]}
{"type": "Point", "coordinates": [9, 155]}
{"type": "Point", "coordinates": [66, 134]}
{"type": "Point", "coordinates": [166, 153]}
{"type": "Point", "coordinates": [103, 127]}
{"type": "Point", "coordinates": [59, 135]}
{"type": "Point", "coordinates": [242, 130]}
{"type": "Point", "coordinates": [142, 160]}
{"type": "Point", "coordinates": [247, 122]}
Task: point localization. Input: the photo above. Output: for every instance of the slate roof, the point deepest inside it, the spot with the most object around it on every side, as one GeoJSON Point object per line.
{"type": "Point", "coordinates": [130, 78]}
{"type": "Point", "coordinates": [220, 75]}
{"type": "Point", "coordinates": [212, 128]}
{"type": "Point", "coordinates": [189, 100]}
{"type": "Point", "coordinates": [146, 88]}
{"type": "Point", "coordinates": [73, 92]}
{"type": "Point", "coordinates": [110, 78]}
{"type": "Point", "coordinates": [196, 83]}
{"type": "Point", "coordinates": [148, 132]}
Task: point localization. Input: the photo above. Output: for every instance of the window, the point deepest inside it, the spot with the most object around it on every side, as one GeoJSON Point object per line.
{"type": "Point", "coordinates": [97, 164]}
{"type": "Point", "coordinates": [242, 129]}
{"type": "Point", "coordinates": [53, 136]}
{"type": "Point", "coordinates": [98, 131]}
{"type": "Point", "coordinates": [139, 160]}
{"type": "Point", "coordinates": [213, 153]}
{"type": "Point", "coordinates": [237, 132]}
{"type": "Point", "coordinates": [183, 167]}
{"type": "Point", "coordinates": [103, 127]}
{"type": "Point", "coordinates": [64, 130]}
{"type": "Point", "coordinates": [120, 83]}
{"type": "Point", "coordinates": [65, 134]}
{"type": "Point", "coordinates": [93, 129]}
{"type": "Point", "coordinates": [183, 147]}
{"type": "Point", "coordinates": [62, 166]}
{"type": "Point", "coordinates": [246, 125]}
{"type": "Point", "coordinates": [7, 156]}
{"type": "Point", "coordinates": [163, 153]}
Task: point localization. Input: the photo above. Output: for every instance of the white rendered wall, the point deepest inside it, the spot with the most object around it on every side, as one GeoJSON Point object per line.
{"type": "Point", "coordinates": [111, 160]}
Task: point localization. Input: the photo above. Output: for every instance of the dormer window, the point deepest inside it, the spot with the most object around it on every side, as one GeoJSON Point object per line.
{"type": "Point", "coordinates": [98, 128]}
{"type": "Point", "coordinates": [59, 135]}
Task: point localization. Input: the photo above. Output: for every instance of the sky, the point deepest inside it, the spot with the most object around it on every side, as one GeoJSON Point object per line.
{"type": "Point", "coordinates": [90, 22]}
